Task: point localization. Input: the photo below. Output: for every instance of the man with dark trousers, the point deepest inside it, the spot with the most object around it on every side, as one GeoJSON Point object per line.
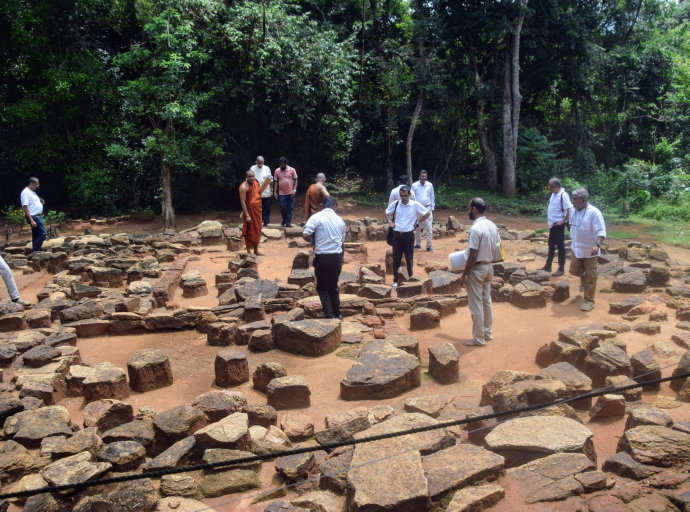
{"type": "Point", "coordinates": [32, 205]}
{"type": "Point", "coordinates": [329, 232]}
{"type": "Point", "coordinates": [558, 213]}
{"type": "Point", "coordinates": [402, 216]}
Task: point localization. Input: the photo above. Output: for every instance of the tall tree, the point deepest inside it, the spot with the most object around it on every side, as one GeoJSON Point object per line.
{"type": "Point", "coordinates": [511, 102]}
{"type": "Point", "coordinates": [165, 94]}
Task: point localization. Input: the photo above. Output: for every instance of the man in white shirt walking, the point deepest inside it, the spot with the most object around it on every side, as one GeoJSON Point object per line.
{"type": "Point", "coordinates": [423, 191]}
{"type": "Point", "coordinates": [32, 205]}
{"type": "Point", "coordinates": [557, 215]}
{"type": "Point", "coordinates": [329, 232]}
{"type": "Point", "coordinates": [478, 273]}
{"type": "Point", "coordinates": [587, 231]}
{"type": "Point", "coordinates": [261, 172]}
{"type": "Point", "coordinates": [402, 216]}
{"type": "Point", "coordinates": [395, 193]}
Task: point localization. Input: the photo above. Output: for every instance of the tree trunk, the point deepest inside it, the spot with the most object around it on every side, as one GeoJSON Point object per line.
{"type": "Point", "coordinates": [410, 134]}
{"type": "Point", "coordinates": [484, 135]}
{"type": "Point", "coordinates": [383, 96]}
{"type": "Point", "coordinates": [511, 105]}
{"type": "Point", "coordinates": [166, 200]}
{"type": "Point", "coordinates": [418, 107]}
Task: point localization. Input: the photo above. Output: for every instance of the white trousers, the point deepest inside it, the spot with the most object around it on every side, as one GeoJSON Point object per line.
{"type": "Point", "coordinates": [426, 224]}
{"type": "Point", "coordinates": [7, 276]}
{"type": "Point", "coordinates": [479, 301]}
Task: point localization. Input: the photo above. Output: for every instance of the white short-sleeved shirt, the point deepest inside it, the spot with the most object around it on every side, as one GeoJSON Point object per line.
{"type": "Point", "coordinates": [395, 195]}
{"type": "Point", "coordinates": [30, 199]}
{"type": "Point", "coordinates": [585, 227]}
{"type": "Point", "coordinates": [559, 204]}
{"type": "Point", "coordinates": [261, 175]}
{"type": "Point", "coordinates": [424, 194]}
{"type": "Point", "coordinates": [483, 236]}
{"type": "Point", "coordinates": [406, 215]}
{"type": "Point", "coordinates": [330, 231]}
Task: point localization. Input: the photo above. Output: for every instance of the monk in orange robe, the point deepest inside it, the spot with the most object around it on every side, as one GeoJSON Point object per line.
{"type": "Point", "coordinates": [250, 198]}
{"type": "Point", "coordinates": [315, 196]}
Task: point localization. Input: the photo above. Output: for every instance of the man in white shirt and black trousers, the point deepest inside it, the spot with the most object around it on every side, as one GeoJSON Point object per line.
{"type": "Point", "coordinates": [423, 193]}
{"type": "Point", "coordinates": [558, 213]}
{"type": "Point", "coordinates": [329, 232]}
{"type": "Point", "coordinates": [402, 217]}
{"type": "Point", "coordinates": [587, 231]}
{"type": "Point", "coordinates": [32, 205]}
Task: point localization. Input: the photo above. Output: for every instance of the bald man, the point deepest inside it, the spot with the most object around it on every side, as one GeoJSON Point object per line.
{"type": "Point", "coordinates": [315, 196]}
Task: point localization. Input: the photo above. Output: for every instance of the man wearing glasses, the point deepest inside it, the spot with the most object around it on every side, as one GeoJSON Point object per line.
{"type": "Point", "coordinates": [558, 213]}
{"type": "Point", "coordinates": [587, 231]}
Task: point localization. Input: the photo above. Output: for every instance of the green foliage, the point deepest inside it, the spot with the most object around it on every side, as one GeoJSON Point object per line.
{"type": "Point", "coordinates": [14, 216]}
{"type": "Point", "coordinates": [55, 218]}
{"type": "Point", "coordinates": [538, 160]}
{"type": "Point", "coordinates": [620, 235]}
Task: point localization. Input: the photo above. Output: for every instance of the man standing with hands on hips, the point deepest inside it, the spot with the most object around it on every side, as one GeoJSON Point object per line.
{"type": "Point", "coordinates": [423, 192]}
{"type": "Point", "coordinates": [481, 244]}
{"type": "Point", "coordinates": [329, 232]}
{"type": "Point", "coordinates": [402, 216]}
{"type": "Point", "coordinates": [32, 205]}
{"type": "Point", "coordinates": [285, 190]}
{"type": "Point", "coordinates": [587, 231]}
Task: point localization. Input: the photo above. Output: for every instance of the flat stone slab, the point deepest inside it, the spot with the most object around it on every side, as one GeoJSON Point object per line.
{"type": "Point", "coordinates": [426, 442]}
{"type": "Point", "coordinates": [396, 483]}
{"type": "Point", "coordinates": [523, 440]}
{"type": "Point", "coordinates": [471, 499]}
{"type": "Point", "coordinates": [381, 371]}
{"type": "Point", "coordinates": [552, 478]}
{"type": "Point", "coordinates": [308, 337]}
{"type": "Point", "coordinates": [460, 466]}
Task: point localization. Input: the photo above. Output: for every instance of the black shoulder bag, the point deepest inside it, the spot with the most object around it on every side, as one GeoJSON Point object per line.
{"type": "Point", "coordinates": [567, 222]}
{"type": "Point", "coordinates": [389, 237]}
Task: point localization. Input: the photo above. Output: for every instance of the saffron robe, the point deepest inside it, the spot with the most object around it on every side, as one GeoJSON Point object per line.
{"type": "Point", "coordinates": [251, 231]}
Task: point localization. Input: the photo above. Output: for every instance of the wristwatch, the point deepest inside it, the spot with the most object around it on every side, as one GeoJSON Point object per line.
{"type": "Point", "coordinates": [599, 245]}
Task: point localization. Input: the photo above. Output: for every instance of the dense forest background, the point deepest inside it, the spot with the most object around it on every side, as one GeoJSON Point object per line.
{"type": "Point", "coordinates": [152, 104]}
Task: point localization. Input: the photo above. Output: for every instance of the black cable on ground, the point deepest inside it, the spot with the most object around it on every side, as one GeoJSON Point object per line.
{"type": "Point", "coordinates": [329, 446]}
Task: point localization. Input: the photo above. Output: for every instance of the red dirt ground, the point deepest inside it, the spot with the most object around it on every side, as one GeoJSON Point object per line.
{"type": "Point", "coordinates": [517, 336]}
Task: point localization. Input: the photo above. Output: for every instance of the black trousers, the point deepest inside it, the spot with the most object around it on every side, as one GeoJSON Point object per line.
{"type": "Point", "coordinates": [266, 210]}
{"type": "Point", "coordinates": [403, 243]}
{"type": "Point", "coordinates": [556, 239]}
{"type": "Point", "coordinates": [327, 269]}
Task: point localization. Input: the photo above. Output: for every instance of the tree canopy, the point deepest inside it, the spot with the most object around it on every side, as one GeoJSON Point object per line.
{"type": "Point", "coordinates": [163, 104]}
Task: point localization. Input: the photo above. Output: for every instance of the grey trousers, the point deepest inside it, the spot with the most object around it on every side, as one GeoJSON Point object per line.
{"type": "Point", "coordinates": [7, 276]}
{"type": "Point", "coordinates": [479, 301]}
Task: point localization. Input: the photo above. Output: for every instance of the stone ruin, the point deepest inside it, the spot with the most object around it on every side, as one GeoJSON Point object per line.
{"type": "Point", "coordinates": [117, 285]}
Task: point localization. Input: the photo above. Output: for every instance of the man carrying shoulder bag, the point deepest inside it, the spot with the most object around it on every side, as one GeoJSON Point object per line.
{"type": "Point", "coordinates": [402, 216]}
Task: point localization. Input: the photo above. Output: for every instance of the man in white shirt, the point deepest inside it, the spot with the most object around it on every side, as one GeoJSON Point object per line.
{"type": "Point", "coordinates": [395, 193]}
{"type": "Point", "coordinates": [261, 172]}
{"type": "Point", "coordinates": [329, 232]}
{"type": "Point", "coordinates": [423, 192]}
{"type": "Point", "coordinates": [32, 205]}
{"type": "Point", "coordinates": [587, 231]}
{"type": "Point", "coordinates": [557, 215]}
{"type": "Point", "coordinates": [7, 276]}
{"type": "Point", "coordinates": [481, 243]}
{"type": "Point", "coordinates": [402, 216]}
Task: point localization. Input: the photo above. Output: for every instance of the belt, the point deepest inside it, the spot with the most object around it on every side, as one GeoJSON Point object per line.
{"type": "Point", "coordinates": [403, 232]}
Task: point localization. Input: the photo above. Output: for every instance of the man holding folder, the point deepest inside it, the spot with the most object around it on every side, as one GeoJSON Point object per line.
{"type": "Point", "coordinates": [481, 244]}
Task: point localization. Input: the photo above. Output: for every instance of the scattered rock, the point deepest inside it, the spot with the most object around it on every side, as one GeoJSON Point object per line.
{"type": "Point", "coordinates": [444, 363]}
{"type": "Point", "coordinates": [123, 455]}
{"type": "Point", "coordinates": [481, 497]}
{"type": "Point", "coordinates": [308, 337]}
{"type": "Point", "coordinates": [523, 440]}
{"type": "Point", "coordinates": [219, 403]}
{"type": "Point", "coordinates": [290, 392]}
{"type": "Point", "coordinates": [380, 371]}
{"type": "Point", "coordinates": [178, 423]}
{"type": "Point", "coordinates": [622, 464]}
{"type": "Point", "coordinates": [149, 369]}
{"type": "Point", "coordinates": [648, 416]}
{"type": "Point", "coordinates": [424, 318]}
{"type": "Point", "coordinates": [608, 406]}
{"type": "Point", "coordinates": [107, 414]}
{"type": "Point", "coordinates": [656, 446]}
{"type": "Point", "coordinates": [298, 427]}
{"type": "Point", "coordinates": [231, 368]}
{"type": "Point", "coordinates": [606, 361]}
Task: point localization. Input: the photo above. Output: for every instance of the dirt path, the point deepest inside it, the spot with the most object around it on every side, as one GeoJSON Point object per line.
{"type": "Point", "coordinates": [518, 334]}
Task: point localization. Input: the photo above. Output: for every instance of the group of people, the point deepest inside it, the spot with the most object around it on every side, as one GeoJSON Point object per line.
{"type": "Point", "coordinates": [409, 211]}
